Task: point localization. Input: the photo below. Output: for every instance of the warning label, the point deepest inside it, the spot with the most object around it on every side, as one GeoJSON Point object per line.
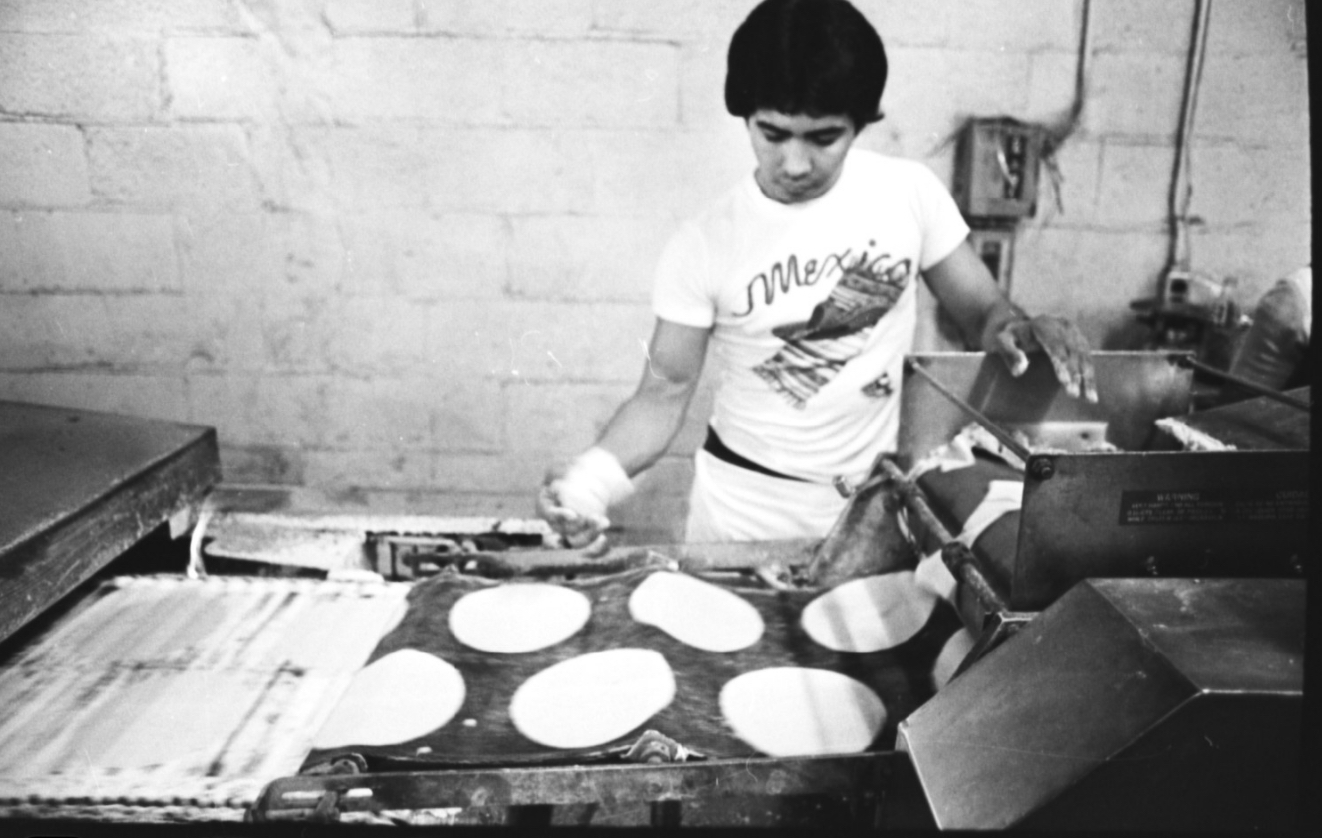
{"type": "Point", "coordinates": [1216, 506]}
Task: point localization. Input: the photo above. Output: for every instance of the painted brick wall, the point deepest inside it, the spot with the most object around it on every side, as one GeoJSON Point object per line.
{"type": "Point", "coordinates": [400, 250]}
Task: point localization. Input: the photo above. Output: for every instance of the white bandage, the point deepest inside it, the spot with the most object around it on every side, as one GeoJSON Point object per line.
{"type": "Point", "coordinates": [594, 481]}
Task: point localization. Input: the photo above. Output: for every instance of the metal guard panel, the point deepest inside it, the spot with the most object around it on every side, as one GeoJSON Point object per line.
{"type": "Point", "coordinates": [78, 488]}
{"type": "Point", "coordinates": [1134, 390]}
{"type": "Point", "coordinates": [1229, 635]}
{"type": "Point", "coordinates": [1038, 714]}
{"type": "Point", "coordinates": [1124, 704]}
{"type": "Point", "coordinates": [1218, 762]}
{"type": "Point", "coordinates": [1222, 513]}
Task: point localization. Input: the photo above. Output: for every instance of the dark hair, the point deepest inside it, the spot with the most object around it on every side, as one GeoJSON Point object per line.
{"type": "Point", "coordinates": [814, 57]}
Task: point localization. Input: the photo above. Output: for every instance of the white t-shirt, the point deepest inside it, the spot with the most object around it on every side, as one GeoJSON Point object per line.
{"type": "Point", "coordinates": [813, 307]}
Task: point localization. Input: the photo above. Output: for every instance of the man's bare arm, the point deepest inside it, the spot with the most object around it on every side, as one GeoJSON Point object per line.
{"type": "Point", "coordinates": [574, 497]}
{"type": "Point", "coordinates": [641, 430]}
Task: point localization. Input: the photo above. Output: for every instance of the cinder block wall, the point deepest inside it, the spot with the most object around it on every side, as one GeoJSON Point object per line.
{"type": "Point", "coordinates": [401, 250]}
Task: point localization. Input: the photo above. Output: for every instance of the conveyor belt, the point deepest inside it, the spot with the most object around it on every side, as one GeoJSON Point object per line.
{"type": "Point", "coordinates": [165, 690]}
{"type": "Point", "coordinates": [901, 677]}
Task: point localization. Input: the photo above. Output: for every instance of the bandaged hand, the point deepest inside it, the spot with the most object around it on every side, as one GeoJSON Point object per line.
{"type": "Point", "coordinates": [1063, 344]}
{"type": "Point", "coordinates": [574, 499]}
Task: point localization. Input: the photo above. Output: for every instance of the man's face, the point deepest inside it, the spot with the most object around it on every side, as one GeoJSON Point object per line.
{"type": "Point", "coordinates": [799, 157]}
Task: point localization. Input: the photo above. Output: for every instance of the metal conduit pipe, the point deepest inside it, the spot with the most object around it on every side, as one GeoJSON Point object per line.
{"type": "Point", "coordinates": [1181, 180]}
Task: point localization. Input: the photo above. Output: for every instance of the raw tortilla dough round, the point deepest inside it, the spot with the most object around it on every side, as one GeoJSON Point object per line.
{"type": "Point", "coordinates": [869, 614]}
{"type": "Point", "coordinates": [592, 699]}
{"type": "Point", "coordinates": [695, 612]}
{"type": "Point", "coordinates": [518, 617]}
{"type": "Point", "coordinates": [956, 648]}
{"type": "Point", "coordinates": [795, 711]}
{"type": "Point", "coordinates": [401, 696]}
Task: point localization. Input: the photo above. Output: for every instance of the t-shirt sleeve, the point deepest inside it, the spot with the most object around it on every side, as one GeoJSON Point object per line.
{"type": "Point", "coordinates": [942, 224]}
{"type": "Point", "coordinates": [681, 292]}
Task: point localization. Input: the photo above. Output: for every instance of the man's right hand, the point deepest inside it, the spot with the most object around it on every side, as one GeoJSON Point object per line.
{"type": "Point", "coordinates": [580, 530]}
{"type": "Point", "coordinates": [573, 499]}
{"type": "Point", "coordinates": [1060, 340]}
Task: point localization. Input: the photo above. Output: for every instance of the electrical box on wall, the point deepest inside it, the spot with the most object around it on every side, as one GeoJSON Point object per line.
{"type": "Point", "coordinates": [996, 168]}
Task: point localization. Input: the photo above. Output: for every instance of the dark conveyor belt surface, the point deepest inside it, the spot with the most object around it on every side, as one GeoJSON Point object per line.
{"type": "Point", "coordinates": [900, 676]}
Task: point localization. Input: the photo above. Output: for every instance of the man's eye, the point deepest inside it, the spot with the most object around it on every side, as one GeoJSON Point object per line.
{"type": "Point", "coordinates": [825, 140]}
{"type": "Point", "coordinates": [775, 136]}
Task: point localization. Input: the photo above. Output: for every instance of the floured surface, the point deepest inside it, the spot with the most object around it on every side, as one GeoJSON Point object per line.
{"type": "Point", "coordinates": [795, 711]}
{"type": "Point", "coordinates": [695, 612]}
{"type": "Point", "coordinates": [869, 614]}
{"type": "Point", "coordinates": [592, 699]}
{"type": "Point", "coordinates": [1191, 438]}
{"type": "Point", "coordinates": [399, 697]}
{"type": "Point", "coordinates": [169, 690]}
{"type": "Point", "coordinates": [518, 617]}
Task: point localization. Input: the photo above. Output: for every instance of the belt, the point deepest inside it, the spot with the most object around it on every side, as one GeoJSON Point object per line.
{"type": "Point", "coordinates": [717, 449]}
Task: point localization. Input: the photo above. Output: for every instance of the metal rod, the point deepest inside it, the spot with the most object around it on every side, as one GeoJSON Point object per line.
{"type": "Point", "coordinates": [961, 561]}
{"type": "Point", "coordinates": [995, 430]}
{"type": "Point", "coordinates": [916, 503]}
{"type": "Point", "coordinates": [1000, 627]}
{"type": "Point", "coordinates": [1252, 387]}
{"type": "Point", "coordinates": [964, 564]}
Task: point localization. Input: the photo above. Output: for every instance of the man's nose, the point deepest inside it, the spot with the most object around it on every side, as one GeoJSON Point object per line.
{"type": "Point", "coordinates": [796, 162]}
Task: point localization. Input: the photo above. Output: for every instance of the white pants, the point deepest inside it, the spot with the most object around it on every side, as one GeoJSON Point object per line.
{"type": "Point", "coordinates": [732, 503]}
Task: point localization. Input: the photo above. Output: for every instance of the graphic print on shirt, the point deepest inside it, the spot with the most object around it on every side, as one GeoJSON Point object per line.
{"type": "Point", "coordinates": [836, 332]}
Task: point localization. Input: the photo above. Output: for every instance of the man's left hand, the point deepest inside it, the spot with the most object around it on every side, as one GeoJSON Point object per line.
{"type": "Point", "coordinates": [1062, 342]}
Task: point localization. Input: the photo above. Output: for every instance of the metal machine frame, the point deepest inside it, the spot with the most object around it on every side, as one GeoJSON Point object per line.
{"type": "Point", "coordinates": [1248, 519]}
{"type": "Point", "coordinates": [1145, 512]}
{"type": "Point", "coordinates": [81, 487]}
{"type": "Point", "coordinates": [862, 778]}
{"type": "Point", "coordinates": [1066, 490]}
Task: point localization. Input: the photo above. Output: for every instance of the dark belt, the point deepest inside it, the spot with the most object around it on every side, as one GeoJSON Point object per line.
{"type": "Point", "coordinates": [717, 449]}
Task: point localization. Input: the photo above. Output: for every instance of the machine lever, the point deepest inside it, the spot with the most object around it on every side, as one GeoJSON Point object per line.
{"type": "Point", "coordinates": [995, 430]}
{"type": "Point", "coordinates": [962, 562]}
{"type": "Point", "coordinates": [1187, 361]}
{"type": "Point", "coordinates": [965, 567]}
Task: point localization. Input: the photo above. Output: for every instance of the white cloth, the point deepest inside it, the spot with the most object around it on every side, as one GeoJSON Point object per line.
{"type": "Point", "coordinates": [1002, 496]}
{"type": "Point", "coordinates": [812, 308]}
{"type": "Point", "coordinates": [731, 503]}
{"type": "Point", "coordinates": [1302, 280]}
{"type": "Point", "coordinates": [1275, 352]}
{"type": "Point", "coordinates": [958, 453]}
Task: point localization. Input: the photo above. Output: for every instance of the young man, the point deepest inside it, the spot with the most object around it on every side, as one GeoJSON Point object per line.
{"type": "Point", "coordinates": [803, 279]}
